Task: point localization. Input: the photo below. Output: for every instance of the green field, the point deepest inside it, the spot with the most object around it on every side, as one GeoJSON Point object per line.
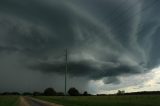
{"type": "Point", "coordinates": [8, 100]}
{"type": "Point", "coordinates": [105, 100]}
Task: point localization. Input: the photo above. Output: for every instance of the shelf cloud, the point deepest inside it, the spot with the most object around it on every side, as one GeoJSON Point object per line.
{"type": "Point", "coordinates": [105, 38]}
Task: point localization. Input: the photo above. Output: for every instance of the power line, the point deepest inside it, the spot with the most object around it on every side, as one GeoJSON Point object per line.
{"type": "Point", "coordinates": [119, 6]}
{"type": "Point", "coordinates": [102, 71]}
{"type": "Point", "coordinates": [144, 9]}
{"type": "Point", "coordinates": [120, 22]}
{"type": "Point", "coordinates": [118, 14]}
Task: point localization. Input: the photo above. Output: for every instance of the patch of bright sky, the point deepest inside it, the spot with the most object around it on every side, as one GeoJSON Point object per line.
{"type": "Point", "coordinates": [143, 82]}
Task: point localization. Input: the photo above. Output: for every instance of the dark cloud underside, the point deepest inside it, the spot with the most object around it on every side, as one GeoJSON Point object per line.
{"type": "Point", "coordinates": [105, 38]}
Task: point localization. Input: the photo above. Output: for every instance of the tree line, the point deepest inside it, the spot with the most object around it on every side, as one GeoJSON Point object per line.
{"type": "Point", "coordinates": [49, 92]}
{"type": "Point", "coordinates": [74, 92]}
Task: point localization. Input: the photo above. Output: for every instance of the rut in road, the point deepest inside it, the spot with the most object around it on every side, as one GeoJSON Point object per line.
{"type": "Point", "coordinates": [28, 101]}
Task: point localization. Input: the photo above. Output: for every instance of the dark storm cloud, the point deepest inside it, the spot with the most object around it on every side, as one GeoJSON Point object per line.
{"type": "Point", "coordinates": [105, 38]}
{"type": "Point", "coordinates": [7, 49]}
{"type": "Point", "coordinates": [87, 69]}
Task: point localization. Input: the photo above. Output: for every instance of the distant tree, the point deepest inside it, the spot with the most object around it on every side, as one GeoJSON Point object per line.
{"type": "Point", "coordinates": [73, 92]}
{"type": "Point", "coordinates": [6, 93]}
{"type": "Point", "coordinates": [10, 93]}
{"type": "Point", "coordinates": [85, 93]}
{"type": "Point", "coordinates": [27, 94]}
{"type": "Point", "coordinates": [60, 94]}
{"type": "Point", "coordinates": [101, 94]}
{"type": "Point", "coordinates": [37, 94]}
{"type": "Point", "coordinates": [120, 92]}
{"type": "Point", "coordinates": [15, 93]}
{"type": "Point", "coordinates": [49, 92]}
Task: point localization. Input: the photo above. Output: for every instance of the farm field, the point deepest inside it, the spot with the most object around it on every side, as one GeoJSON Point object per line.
{"type": "Point", "coordinates": [8, 100]}
{"type": "Point", "coordinates": [144, 100]}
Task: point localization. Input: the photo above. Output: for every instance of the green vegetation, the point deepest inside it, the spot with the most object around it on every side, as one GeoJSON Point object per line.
{"type": "Point", "coordinates": [141, 100]}
{"type": "Point", "coordinates": [8, 100]}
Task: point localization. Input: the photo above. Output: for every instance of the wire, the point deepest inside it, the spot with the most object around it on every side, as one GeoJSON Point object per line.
{"type": "Point", "coordinates": [144, 9]}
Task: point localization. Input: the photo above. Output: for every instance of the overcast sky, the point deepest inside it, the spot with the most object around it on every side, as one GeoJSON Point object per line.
{"type": "Point", "coordinates": [112, 44]}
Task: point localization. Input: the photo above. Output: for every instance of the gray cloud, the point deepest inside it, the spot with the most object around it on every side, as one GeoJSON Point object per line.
{"type": "Point", "coordinates": [111, 80]}
{"type": "Point", "coordinates": [105, 38]}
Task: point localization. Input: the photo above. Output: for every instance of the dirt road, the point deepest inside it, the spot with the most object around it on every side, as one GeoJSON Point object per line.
{"type": "Point", "coordinates": [28, 101]}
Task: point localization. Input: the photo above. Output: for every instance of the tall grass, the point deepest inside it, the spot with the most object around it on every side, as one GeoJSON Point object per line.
{"type": "Point", "coordinates": [105, 100]}
{"type": "Point", "coordinates": [9, 101]}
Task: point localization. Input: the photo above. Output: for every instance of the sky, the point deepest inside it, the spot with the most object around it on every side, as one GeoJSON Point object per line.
{"type": "Point", "coordinates": [112, 45]}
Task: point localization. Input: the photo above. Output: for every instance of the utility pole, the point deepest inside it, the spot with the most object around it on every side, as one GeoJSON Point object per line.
{"type": "Point", "coordinates": [66, 59]}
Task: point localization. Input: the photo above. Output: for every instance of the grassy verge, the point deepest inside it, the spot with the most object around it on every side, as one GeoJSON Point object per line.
{"type": "Point", "coordinates": [105, 100]}
{"type": "Point", "coordinates": [9, 101]}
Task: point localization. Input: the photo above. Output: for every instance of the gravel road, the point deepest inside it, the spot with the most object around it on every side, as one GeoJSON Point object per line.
{"type": "Point", "coordinates": [28, 101]}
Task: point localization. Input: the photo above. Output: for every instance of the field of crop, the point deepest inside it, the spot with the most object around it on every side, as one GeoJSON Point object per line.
{"type": "Point", "coordinates": [8, 100]}
{"type": "Point", "coordinates": [105, 100]}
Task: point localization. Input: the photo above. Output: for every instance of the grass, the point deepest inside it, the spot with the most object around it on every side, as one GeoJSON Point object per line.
{"type": "Point", "coordinates": [8, 100]}
{"type": "Point", "coordinates": [105, 100]}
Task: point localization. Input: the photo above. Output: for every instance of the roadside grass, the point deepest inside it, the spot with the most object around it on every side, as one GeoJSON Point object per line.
{"type": "Point", "coordinates": [9, 101]}
{"type": "Point", "coordinates": [142, 100]}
